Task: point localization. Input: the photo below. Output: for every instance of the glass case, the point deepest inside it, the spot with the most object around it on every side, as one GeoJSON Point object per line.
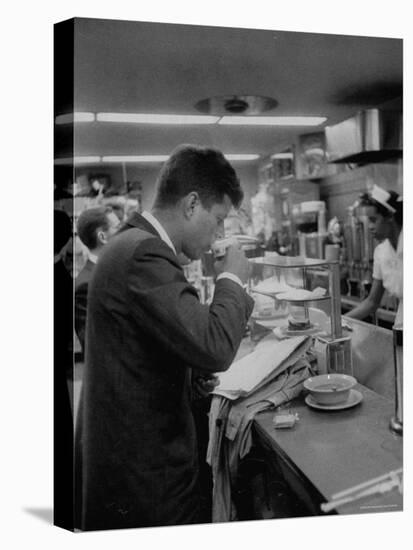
{"type": "Point", "coordinates": [296, 295]}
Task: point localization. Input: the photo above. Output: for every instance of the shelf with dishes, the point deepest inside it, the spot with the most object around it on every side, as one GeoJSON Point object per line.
{"type": "Point", "coordinates": [297, 295]}
{"type": "Point", "coordinates": [293, 296]}
{"type": "Point", "coordinates": [292, 279]}
{"type": "Point", "coordinates": [282, 286]}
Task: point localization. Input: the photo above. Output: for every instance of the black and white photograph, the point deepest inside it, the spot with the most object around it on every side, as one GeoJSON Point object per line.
{"type": "Point", "coordinates": [232, 326]}
{"type": "Point", "coordinates": [225, 206]}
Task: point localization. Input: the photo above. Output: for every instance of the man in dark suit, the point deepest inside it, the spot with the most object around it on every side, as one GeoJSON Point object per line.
{"type": "Point", "coordinates": [146, 331]}
{"type": "Point", "coordinates": [95, 226]}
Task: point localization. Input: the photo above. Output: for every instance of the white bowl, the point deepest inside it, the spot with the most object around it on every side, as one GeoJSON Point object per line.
{"type": "Point", "coordinates": [330, 389]}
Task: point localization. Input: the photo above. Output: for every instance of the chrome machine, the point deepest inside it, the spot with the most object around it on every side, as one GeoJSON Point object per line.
{"type": "Point", "coordinates": [358, 248]}
{"type": "Point", "coordinates": [310, 222]}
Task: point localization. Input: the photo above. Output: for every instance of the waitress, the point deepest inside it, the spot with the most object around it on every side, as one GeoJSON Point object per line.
{"type": "Point", "coordinates": [386, 225]}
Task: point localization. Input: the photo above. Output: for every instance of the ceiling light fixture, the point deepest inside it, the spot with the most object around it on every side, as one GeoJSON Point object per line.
{"type": "Point", "coordinates": [235, 157]}
{"type": "Point", "coordinates": [272, 120]}
{"type": "Point", "coordinates": [140, 118]}
{"type": "Point", "coordinates": [281, 156]}
{"type": "Point", "coordinates": [77, 160]}
{"type": "Point", "coordinates": [69, 118]}
{"type": "Point", "coordinates": [135, 158]}
{"type": "Point", "coordinates": [163, 158]}
{"type": "Point", "coordinates": [236, 104]}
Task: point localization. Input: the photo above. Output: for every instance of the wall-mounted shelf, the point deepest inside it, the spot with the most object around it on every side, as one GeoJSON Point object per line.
{"type": "Point", "coordinates": [297, 272]}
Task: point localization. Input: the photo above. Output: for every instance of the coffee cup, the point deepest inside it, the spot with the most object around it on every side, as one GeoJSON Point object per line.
{"type": "Point", "coordinates": [219, 247]}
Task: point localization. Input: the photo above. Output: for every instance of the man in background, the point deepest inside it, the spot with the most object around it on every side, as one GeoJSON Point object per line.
{"type": "Point", "coordinates": [146, 331]}
{"type": "Point", "coordinates": [118, 208]}
{"type": "Point", "coordinates": [95, 226]}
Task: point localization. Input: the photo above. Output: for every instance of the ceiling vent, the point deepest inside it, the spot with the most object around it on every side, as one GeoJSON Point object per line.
{"type": "Point", "coordinates": [236, 104]}
{"type": "Point", "coordinates": [373, 135]}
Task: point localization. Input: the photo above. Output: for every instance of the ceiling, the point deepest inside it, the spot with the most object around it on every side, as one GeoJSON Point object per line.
{"type": "Point", "coordinates": [124, 66]}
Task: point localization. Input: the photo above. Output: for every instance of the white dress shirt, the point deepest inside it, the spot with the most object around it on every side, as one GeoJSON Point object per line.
{"type": "Point", "coordinates": [92, 257]}
{"type": "Point", "coordinates": [388, 268]}
{"type": "Point", "coordinates": [159, 228]}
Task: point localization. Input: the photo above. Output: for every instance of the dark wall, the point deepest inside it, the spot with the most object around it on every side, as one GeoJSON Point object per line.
{"type": "Point", "coordinates": [341, 190]}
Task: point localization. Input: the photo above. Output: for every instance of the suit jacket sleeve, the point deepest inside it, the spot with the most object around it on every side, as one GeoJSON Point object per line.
{"type": "Point", "coordinates": [167, 308]}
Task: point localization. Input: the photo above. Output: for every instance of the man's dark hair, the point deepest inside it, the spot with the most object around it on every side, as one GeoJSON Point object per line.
{"type": "Point", "coordinates": [89, 222]}
{"type": "Point", "coordinates": [200, 169]}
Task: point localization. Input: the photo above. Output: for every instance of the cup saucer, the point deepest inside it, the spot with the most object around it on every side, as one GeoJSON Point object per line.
{"type": "Point", "coordinates": [354, 398]}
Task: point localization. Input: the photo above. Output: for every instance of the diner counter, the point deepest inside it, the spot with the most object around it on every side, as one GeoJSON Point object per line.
{"type": "Point", "coordinates": [327, 452]}
{"type": "Point", "coordinates": [386, 315]}
{"type": "Point", "coordinates": [372, 356]}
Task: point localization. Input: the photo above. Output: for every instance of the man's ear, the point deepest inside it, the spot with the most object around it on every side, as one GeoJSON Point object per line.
{"type": "Point", "coordinates": [191, 203]}
{"type": "Point", "coordinates": [101, 237]}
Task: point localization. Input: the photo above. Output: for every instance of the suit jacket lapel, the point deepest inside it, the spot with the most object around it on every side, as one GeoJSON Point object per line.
{"type": "Point", "coordinates": [89, 266]}
{"type": "Point", "coordinates": [136, 220]}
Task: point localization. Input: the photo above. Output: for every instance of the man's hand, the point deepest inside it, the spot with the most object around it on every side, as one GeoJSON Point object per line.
{"type": "Point", "coordinates": [234, 262]}
{"type": "Point", "coordinates": [204, 383]}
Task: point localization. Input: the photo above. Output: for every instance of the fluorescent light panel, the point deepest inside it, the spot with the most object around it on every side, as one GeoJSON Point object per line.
{"type": "Point", "coordinates": [241, 157]}
{"type": "Point", "coordinates": [272, 120]}
{"type": "Point", "coordinates": [140, 118]}
{"type": "Point", "coordinates": [282, 156]}
{"type": "Point", "coordinates": [162, 158]}
{"type": "Point", "coordinates": [77, 160]}
{"type": "Point", "coordinates": [69, 118]}
{"type": "Point", "coordinates": [136, 158]}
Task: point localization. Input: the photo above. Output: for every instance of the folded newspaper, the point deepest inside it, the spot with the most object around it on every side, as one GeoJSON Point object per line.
{"type": "Point", "coordinates": [270, 357]}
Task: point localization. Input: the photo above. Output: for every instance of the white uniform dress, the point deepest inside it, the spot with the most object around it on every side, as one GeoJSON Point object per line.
{"type": "Point", "coordinates": [388, 268]}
